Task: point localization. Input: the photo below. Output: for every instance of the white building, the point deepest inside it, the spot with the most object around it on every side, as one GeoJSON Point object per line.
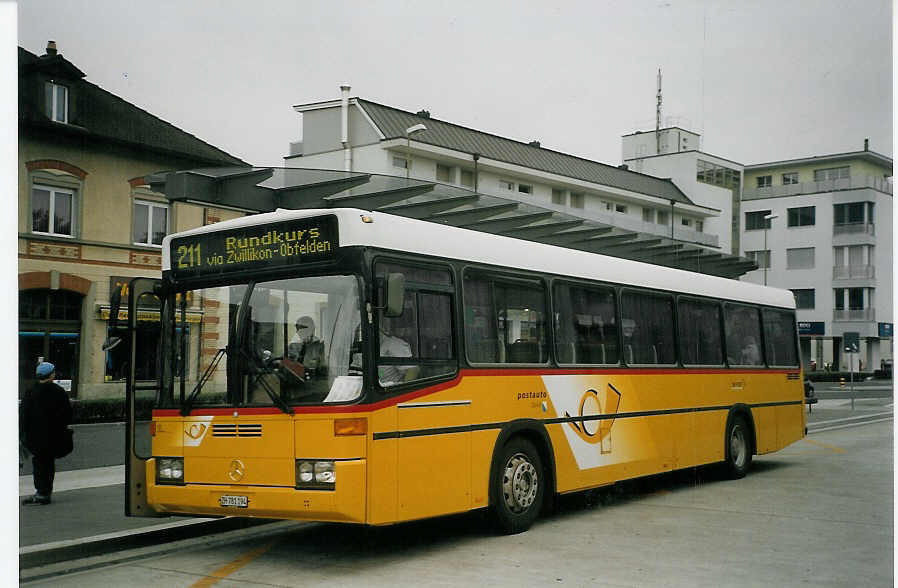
{"type": "Point", "coordinates": [709, 180]}
{"type": "Point", "coordinates": [822, 227]}
{"type": "Point", "coordinates": [653, 219]}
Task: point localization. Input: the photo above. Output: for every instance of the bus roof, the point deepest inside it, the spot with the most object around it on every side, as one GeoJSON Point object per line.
{"type": "Point", "coordinates": [398, 233]}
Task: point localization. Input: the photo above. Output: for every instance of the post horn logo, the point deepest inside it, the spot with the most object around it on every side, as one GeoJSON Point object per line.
{"type": "Point", "coordinates": [195, 430]}
{"type": "Point", "coordinates": [236, 470]}
{"type": "Point", "coordinates": [590, 427]}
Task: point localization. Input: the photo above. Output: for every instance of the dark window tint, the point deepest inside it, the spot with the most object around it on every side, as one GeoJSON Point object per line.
{"type": "Point", "coordinates": [743, 335]}
{"type": "Point", "coordinates": [803, 216]}
{"type": "Point", "coordinates": [804, 298]}
{"type": "Point", "coordinates": [585, 325]}
{"type": "Point", "coordinates": [779, 337]}
{"type": "Point", "coordinates": [504, 321]}
{"type": "Point", "coordinates": [647, 325]}
{"type": "Point", "coordinates": [755, 220]}
{"type": "Point", "coordinates": [699, 325]}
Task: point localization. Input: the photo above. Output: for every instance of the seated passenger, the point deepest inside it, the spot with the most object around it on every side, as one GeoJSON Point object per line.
{"type": "Point", "coordinates": [751, 353]}
{"type": "Point", "coordinates": [392, 346]}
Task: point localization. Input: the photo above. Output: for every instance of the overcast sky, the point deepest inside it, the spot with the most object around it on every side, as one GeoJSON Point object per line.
{"type": "Point", "coordinates": [760, 80]}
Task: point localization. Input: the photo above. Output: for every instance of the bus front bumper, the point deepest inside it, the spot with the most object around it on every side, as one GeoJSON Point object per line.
{"type": "Point", "coordinates": [345, 503]}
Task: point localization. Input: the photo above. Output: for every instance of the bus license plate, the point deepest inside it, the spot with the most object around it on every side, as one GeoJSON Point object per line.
{"type": "Point", "coordinates": [238, 501]}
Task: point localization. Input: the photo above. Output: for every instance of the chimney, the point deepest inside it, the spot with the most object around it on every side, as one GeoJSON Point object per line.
{"type": "Point", "coordinates": [534, 144]}
{"type": "Point", "coordinates": [51, 47]}
{"type": "Point", "coordinates": [423, 113]}
{"type": "Point", "coordinates": [866, 144]}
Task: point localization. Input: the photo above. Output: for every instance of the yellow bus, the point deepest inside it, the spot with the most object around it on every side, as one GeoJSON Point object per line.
{"type": "Point", "coordinates": [345, 365]}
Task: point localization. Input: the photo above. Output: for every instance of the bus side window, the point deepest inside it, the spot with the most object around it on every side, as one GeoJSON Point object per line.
{"type": "Point", "coordinates": [585, 331]}
{"type": "Point", "coordinates": [505, 321]}
{"type": "Point", "coordinates": [779, 337]}
{"type": "Point", "coordinates": [699, 326]}
{"type": "Point", "coordinates": [743, 335]}
{"type": "Point", "coordinates": [648, 328]}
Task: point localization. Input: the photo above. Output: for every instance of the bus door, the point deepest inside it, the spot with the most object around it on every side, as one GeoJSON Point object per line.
{"type": "Point", "coordinates": [142, 377]}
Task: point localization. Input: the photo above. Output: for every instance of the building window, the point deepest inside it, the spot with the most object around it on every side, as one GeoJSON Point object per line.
{"type": "Point", "coordinates": [467, 178]}
{"type": "Point", "coordinates": [765, 181]}
{"type": "Point", "coordinates": [755, 220]}
{"type": "Point", "coordinates": [608, 206]}
{"type": "Point", "coordinates": [648, 215]}
{"type": "Point", "coordinates": [804, 298]}
{"type": "Point", "coordinates": [621, 208]}
{"type": "Point", "coordinates": [800, 258]}
{"type": "Point", "coordinates": [558, 196]}
{"type": "Point", "coordinates": [790, 178]}
{"type": "Point", "coordinates": [686, 222]}
{"type": "Point", "coordinates": [804, 216]}
{"type": "Point", "coordinates": [52, 211]}
{"type": "Point", "coordinates": [855, 298]}
{"type": "Point", "coordinates": [711, 173]}
{"type": "Point", "coordinates": [832, 173]}
{"type": "Point", "coordinates": [150, 222]}
{"type": "Point", "coordinates": [506, 185]}
{"type": "Point", "coordinates": [400, 162]}
{"type": "Point", "coordinates": [762, 258]}
{"type": "Point", "coordinates": [851, 213]}
{"type": "Point", "coordinates": [525, 188]}
{"type": "Point", "coordinates": [57, 102]}
{"type": "Point", "coordinates": [577, 200]}
{"type": "Point", "coordinates": [444, 173]}
{"type": "Point", "coordinates": [662, 217]}
{"type": "Point", "coordinates": [699, 226]}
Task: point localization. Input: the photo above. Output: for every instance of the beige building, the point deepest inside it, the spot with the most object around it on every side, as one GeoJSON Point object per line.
{"type": "Point", "coordinates": [88, 221]}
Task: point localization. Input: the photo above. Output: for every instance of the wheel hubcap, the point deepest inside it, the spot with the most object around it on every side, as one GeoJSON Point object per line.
{"type": "Point", "coordinates": [738, 447]}
{"type": "Point", "coordinates": [520, 483]}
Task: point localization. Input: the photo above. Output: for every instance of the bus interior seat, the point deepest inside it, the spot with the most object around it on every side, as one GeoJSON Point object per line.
{"type": "Point", "coordinates": [523, 352]}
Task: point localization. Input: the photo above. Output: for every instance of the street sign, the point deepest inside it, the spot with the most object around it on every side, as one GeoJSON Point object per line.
{"type": "Point", "coordinates": [851, 341]}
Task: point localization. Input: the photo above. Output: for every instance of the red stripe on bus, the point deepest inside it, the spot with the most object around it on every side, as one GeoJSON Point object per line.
{"type": "Point", "coordinates": [170, 412]}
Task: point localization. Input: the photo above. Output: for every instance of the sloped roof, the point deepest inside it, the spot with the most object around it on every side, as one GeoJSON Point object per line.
{"type": "Point", "coordinates": [392, 122]}
{"type": "Point", "coordinates": [100, 114]}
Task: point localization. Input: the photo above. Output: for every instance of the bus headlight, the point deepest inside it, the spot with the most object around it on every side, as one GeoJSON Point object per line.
{"type": "Point", "coordinates": [305, 470]}
{"type": "Point", "coordinates": [324, 472]}
{"type": "Point", "coordinates": [315, 474]}
{"type": "Point", "coordinates": [169, 470]}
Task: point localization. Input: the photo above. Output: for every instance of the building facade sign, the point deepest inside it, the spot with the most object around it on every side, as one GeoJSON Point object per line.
{"type": "Point", "coordinates": [808, 328]}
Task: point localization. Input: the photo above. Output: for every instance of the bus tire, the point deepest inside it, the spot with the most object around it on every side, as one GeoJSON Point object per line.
{"type": "Point", "coordinates": [738, 448]}
{"type": "Point", "coordinates": [517, 486]}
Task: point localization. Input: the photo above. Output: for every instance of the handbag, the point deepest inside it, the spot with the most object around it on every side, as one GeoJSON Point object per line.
{"type": "Point", "coordinates": [66, 443]}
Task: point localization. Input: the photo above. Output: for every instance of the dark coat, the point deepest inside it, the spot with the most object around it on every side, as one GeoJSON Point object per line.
{"type": "Point", "coordinates": [45, 414]}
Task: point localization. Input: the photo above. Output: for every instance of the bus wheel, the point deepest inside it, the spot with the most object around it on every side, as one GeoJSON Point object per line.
{"type": "Point", "coordinates": [738, 448]}
{"type": "Point", "coordinates": [517, 486]}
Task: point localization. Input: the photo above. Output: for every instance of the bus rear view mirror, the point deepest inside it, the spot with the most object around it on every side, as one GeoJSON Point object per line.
{"type": "Point", "coordinates": [394, 293]}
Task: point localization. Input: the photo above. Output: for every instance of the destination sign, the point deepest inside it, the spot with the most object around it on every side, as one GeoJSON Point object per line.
{"type": "Point", "coordinates": [274, 245]}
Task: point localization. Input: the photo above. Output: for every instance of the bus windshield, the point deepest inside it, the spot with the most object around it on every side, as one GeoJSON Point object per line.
{"type": "Point", "coordinates": [275, 343]}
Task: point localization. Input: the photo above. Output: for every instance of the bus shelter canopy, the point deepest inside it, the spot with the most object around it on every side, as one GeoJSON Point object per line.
{"type": "Point", "coordinates": [265, 189]}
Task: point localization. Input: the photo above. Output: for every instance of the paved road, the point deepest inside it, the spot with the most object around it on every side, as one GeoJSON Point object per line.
{"type": "Point", "coordinates": [818, 513]}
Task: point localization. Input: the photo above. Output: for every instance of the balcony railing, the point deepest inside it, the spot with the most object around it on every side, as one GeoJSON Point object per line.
{"type": "Point", "coordinates": [874, 182]}
{"type": "Point", "coordinates": [851, 272]}
{"type": "Point", "coordinates": [859, 314]}
{"type": "Point", "coordinates": [854, 229]}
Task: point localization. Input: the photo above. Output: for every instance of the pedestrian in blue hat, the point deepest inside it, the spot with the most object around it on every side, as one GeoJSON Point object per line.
{"type": "Point", "coordinates": [45, 415]}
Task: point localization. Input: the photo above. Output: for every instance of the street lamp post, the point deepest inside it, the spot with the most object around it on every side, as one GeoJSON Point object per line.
{"type": "Point", "coordinates": [767, 220]}
{"type": "Point", "coordinates": [408, 145]}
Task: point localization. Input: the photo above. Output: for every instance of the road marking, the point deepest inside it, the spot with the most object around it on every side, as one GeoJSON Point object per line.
{"type": "Point", "coordinates": [832, 448]}
{"type": "Point", "coordinates": [229, 568]}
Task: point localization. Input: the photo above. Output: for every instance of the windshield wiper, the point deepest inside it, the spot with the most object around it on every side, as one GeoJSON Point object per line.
{"type": "Point", "coordinates": [277, 400]}
{"type": "Point", "coordinates": [210, 369]}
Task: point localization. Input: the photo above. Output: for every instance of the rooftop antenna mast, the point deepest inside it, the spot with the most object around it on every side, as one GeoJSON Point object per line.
{"type": "Point", "coordinates": [658, 118]}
